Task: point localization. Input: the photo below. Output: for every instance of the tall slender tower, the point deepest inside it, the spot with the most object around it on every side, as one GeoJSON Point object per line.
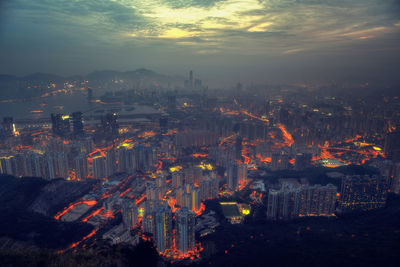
{"type": "Point", "coordinates": [191, 79]}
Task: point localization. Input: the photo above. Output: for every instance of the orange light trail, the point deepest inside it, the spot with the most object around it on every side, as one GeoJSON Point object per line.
{"type": "Point", "coordinates": [73, 205]}
{"type": "Point", "coordinates": [286, 135]}
{"type": "Point", "coordinates": [84, 238]}
{"type": "Point", "coordinates": [93, 214]}
{"type": "Point", "coordinates": [138, 201]}
{"type": "Point", "coordinates": [198, 155]}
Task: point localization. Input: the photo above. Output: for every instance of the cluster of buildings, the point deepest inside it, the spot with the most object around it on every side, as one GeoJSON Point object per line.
{"type": "Point", "coordinates": [294, 200]}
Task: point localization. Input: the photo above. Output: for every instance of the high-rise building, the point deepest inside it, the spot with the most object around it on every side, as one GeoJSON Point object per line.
{"type": "Point", "coordinates": [184, 230]}
{"type": "Point", "coordinates": [7, 165]}
{"type": "Point", "coordinates": [233, 179]}
{"type": "Point", "coordinates": [60, 164]}
{"type": "Point", "coordinates": [163, 228]}
{"type": "Point", "coordinates": [49, 166]}
{"type": "Point", "coordinates": [99, 167]}
{"type": "Point", "coordinates": [292, 201]}
{"type": "Point", "coordinates": [363, 192]}
{"type": "Point", "coordinates": [317, 200]}
{"type": "Point", "coordinates": [196, 201]}
{"type": "Point", "coordinates": [8, 127]}
{"type": "Point", "coordinates": [171, 104]}
{"type": "Point", "coordinates": [129, 213]}
{"type": "Point", "coordinates": [34, 164]}
{"type": "Point", "coordinates": [77, 124]}
{"type": "Point", "coordinates": [60, 124]}
{"type": "Point", "coordinates": [238, 148]}
{"type": "Point", "coordinates": [81, 166]}
{"type": "Point", "coordinates": [209, 187]}
{"type": "Point", "coordinates": [110, 124]}
{"type": "Point", "coordinates": [242, 173]}
{"type": "Point", "coordinates": [191, 79]}
{"type": "Point", "coordinates": [111, 165]}
{"type": "Point", "coordinates": [177, 179]}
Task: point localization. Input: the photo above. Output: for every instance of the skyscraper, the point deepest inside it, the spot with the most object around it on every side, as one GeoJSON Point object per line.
{"type": "Point", "coordinates": [238, 148]}
{"type": "Point", "coordinates": [99, 167]}
{"type": "Point", "coordinates": [191, 79]}
{"type": "Point", "coordinates": [7, 164]}
{"type": "Point", "coordinates": [60, 124]}
{"type": "Point", "coordinates": [163, 228]}
{"type": "Point", "coordinates": [184, 230]}
{"type": "Point", "coordinates": [129, 213]}
{"type": "Point", "coordinates": [110, 124]}
{"type": "Point", "coordinates": [111, 166]}
{"type": "Point", "coordinates": [81, 166]}
{"type": "Point", "coordinates": [77, 124]}
{"type": "Point", "coordinates": [233, 179]}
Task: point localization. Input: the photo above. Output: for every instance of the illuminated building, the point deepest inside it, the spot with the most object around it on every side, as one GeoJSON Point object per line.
{"type": "Point", "coordinates": [81, 166]}
{"type": "Point", "coordinates": [233, 179]}
{"type": "Point", "coordinates": [363, 192]}
{"type": "Point", "coordinates": [144, 158]}
{"type": "Point", "coordinates": [231, 212]}
{"type": "Point", "coordinates": [293, 200]}
{"type": "Point", "coordinates": [60, 124]}
{"type": "Point", "coordinates": [163, 228]}
{"type": "Point", "coordinates": [242, 173]}
{"type": "Point", "coordinates": [109, 124]}
{"type": "Point", "coordinates": [161, 184]}
{"type": "Point", "coordinates": [77, 124]}
{"type": "Point", "coordinates": [153, 192]}
{"type": "Point", "coordinates": [196, 201]}
{"type": "Point", "coordinates": [184, 230]}
{"type": "Point", "coordinates": [193, 174]}
{"type": "Point", "coordinates": [7, 165]}
{"type": "Point", "coordinates": [317, 200]}
{"type": "Point", "coordinates": [99, 167]}
{"type": "Point", "coordinates": [179, 196]}
{"type": "Point", "coordinates": [148, 221]}
{"type": "Point", "coordinates": [127, 159]}
{"type": "Point", "coordinates": [177, 179]}
{"type": "Point", "coordinates": [129, 213]}
{"type": "Point", "coordinates": [209, 187]}
{"type": "Point", "coordinates": [186, 200]}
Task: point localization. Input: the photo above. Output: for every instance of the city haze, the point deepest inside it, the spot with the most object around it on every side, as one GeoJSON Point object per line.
{"type": "Point", "coordinates": [224, 41]}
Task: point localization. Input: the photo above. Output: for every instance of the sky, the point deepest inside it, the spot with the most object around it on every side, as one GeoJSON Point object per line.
{"type": "Point", "coordinates": [222, 41]}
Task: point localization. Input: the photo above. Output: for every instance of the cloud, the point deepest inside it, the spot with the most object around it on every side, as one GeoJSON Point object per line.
{"type": "Point", "coordinates": [166, 29]}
